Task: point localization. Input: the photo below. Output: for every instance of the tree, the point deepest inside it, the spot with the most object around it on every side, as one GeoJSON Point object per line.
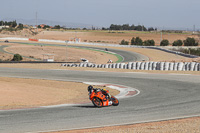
{"type": "Point", "coordinates": [177, 43]}
{"type": "Point", "coordinates": [151, 29]}
{"type": "Point", "coordinates": [136, 41]}
{"type": "Point", "coordinates": [132, 27]}
{"type": "Point", "coordinates": [46, 26]}
{"type": "Point", "coordinates": [138, 28]}
{"type": "Point", "coordinates": [57, 27]}
{"type": "Point", "coordinates": [17, 57]}
{"type": "Point", "coordinates": [149, 43]}
{"type": "Point", "coordinates": [190, 42]}
{"type": "Point", "coordinates": [133, 41]}
{"type": "Point", "coordinates": [14, 24]}
{"type": "Point", "coordinates": [125, 27]}
{"type": "Point", "coordinates": [20, 26]}
{"type": "Point", "coordinates": [1, 23]}
{"type": "Point", "coordinates": [164, 42]}
{"type": "Point", "coordinates": [123, 42]}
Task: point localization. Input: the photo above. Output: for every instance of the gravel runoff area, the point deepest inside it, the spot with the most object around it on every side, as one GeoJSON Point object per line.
{"type": "Point", "coordinates": [29, 93]}
{"type": "Point", "coordinates": [187, 125]}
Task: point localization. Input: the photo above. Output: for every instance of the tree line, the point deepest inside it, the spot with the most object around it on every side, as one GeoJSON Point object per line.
{"type": "Point", "coordinates": [11, 24]}
{"type": "Point", "coordinates": [138, 41]}
{"type": "Point", "coordinates": [129, 27]}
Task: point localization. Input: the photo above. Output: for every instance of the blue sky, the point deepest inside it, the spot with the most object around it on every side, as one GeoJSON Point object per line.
{"type": "Point", "coordinates": [155, 13]}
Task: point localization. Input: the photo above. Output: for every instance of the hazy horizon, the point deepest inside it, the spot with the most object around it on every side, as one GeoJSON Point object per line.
{"type": "Point", "coordinates": [150, 13]}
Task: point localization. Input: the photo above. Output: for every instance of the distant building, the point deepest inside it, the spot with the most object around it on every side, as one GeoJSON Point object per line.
{"type": "Point", "coordinates": [42, 25]}
{"type": "Point", "coordinates": [4, 26]}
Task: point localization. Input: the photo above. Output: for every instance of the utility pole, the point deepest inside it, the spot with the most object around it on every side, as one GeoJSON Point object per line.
{"type": "Point", "coordinates": [193, 29]}
{"type": "Point", "coordinates": [36, 22]}
{"type": "Point", "coordinates": [66, 49]}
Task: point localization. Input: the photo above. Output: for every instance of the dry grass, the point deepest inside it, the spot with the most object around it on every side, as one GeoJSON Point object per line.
{"type": "Point", "coordinates": [60, 53]}
{"type": "Point", "coordinates": [188, 125]}
{"type": "Point", "coordinates": [26, 93]}
{"type": "Point", "coordinates": [110, 37]}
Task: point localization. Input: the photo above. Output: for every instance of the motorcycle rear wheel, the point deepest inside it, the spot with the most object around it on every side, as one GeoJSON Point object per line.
{"type": "Point", "coordinates": [97, 102]}
{"type": "Point", "coordinates": [115, 101]}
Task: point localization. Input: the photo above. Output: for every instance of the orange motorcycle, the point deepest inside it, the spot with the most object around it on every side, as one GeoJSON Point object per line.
{"type": "Point", "coordinates": [101, 98]}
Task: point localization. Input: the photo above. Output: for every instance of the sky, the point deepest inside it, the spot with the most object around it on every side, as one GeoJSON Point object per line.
{"type": "Point", "coordinates": [103, 13]}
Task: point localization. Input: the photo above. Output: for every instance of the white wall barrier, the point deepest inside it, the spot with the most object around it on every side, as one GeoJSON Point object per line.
{"type": "Point", "coordinates": [163, 66]}
{"type": "Point", "coordinates": [15, 38]}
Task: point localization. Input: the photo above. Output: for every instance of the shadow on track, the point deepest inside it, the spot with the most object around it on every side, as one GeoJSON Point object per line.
{"type": "Point", "coordinates": [86, 106]}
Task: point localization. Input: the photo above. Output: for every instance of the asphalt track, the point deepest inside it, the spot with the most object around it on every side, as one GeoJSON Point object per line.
{"type": "Point", "coordinates": [162, 97]}
{"type": "Point", "coordinates": [126, 55]}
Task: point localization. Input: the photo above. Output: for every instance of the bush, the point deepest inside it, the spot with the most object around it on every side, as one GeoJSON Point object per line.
{"type": "Point", "coordinates": [136, 41]}
{"type": "Point", "coordinates": [149, 43]}
{"type": "Point", "coordinates": [194, 51]}
{"type": "Point", "coordinates": [191, 51]}
{"type": "Point", "coordinates": [177, 43]}
{"type": "Point", "coordinates": [190, 42]}
{"type": "Point", "coordinates": [123, 42]}
{"type": "Point", "coordinates": [164, 42]}
{"type": "Point", "coordinates": [17, 57]}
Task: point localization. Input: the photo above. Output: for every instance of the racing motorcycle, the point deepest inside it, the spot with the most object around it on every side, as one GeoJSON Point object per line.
{"type": "Point", "coordinates": [100, 98]}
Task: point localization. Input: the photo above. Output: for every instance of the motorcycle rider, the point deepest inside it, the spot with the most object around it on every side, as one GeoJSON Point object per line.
{"type": "Point", "coordinates": [104, 91]}
{"type": "Point", "coordinates": [90, 89]}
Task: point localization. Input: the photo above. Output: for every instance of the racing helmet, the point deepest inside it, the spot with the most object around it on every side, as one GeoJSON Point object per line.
{"type": "Point", "coordinates": [90, 88]}
{"type": "Point", "coordinates": [104, 90]}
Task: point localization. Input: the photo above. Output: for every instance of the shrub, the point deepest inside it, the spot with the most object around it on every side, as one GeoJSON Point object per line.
{"type": "Point", "coordinates": [136, 41]}
{"type": "Point", "coordinates": [164, 42]}
{"type": "Point", "coordinates": [177, 43]}
{"type": "Point", "coordinates": [190, 42]}
{"type": "Point", "coordinates": [17, 57]}
{"type": "Point", "coordinates": [149, 43]}
{"type": "Point", "coordinates": [123, 42]}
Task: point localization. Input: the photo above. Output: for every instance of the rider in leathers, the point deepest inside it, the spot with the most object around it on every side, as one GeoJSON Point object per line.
{"type": "Point", "coordinates": [91, 89]}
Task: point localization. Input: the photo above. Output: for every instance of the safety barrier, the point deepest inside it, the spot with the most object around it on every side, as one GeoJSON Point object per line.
{"type": "Point", "coordinates": [14, 38]}
{"type": "Point", "coordinates": [163, 66]}
{"type": "Point", "coordinates": [35, 40]}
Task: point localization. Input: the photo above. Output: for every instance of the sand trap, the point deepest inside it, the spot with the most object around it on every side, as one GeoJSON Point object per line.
{"type": "Point", "coordinates": [28, 93]}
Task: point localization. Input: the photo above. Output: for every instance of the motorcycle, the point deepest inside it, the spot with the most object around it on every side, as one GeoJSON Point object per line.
{"type": "Point", "coordinates": [100, 98]}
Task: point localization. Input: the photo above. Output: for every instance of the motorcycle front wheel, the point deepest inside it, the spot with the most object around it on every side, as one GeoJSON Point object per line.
{"type": "Point", "coordinates": [97, 102]}
{"type": "Point", "coordinates": [115, 101]}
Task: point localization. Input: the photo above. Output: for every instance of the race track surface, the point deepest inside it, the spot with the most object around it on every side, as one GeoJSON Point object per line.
{"type": "Point", "coordinates": [162, 97]}
{"type": "Point", "coordinates": [126, 55]}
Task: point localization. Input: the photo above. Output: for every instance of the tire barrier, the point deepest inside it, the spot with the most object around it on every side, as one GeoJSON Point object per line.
{"type": "Point", "coordinates": [163, 66]}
